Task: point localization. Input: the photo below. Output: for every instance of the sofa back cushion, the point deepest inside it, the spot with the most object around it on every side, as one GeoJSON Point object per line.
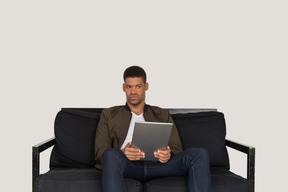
{"type": "Point", "coordinates": [75, 135]}
{"type": "Point", "coordinates": [204, 130]}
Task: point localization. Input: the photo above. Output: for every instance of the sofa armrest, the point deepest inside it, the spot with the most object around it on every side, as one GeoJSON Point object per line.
{"type": "Point", "coordinates": [36, 150]}
{"type": "Point", "coordinates": [250, 151]}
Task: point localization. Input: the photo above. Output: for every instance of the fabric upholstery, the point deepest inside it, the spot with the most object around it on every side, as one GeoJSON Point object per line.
{"type": "Point", "coordinates": [72, 158]}
{"type": "Point", "coordinates": [75, 138]}
{"type": "Point", "coordinates": [222, 181]}
{"type": "Point", "coordinates": [77, 180]}
{"type": "Point", "coordinates": [204, 130]}
{"type": "Point", "coordinates": [89, 180]}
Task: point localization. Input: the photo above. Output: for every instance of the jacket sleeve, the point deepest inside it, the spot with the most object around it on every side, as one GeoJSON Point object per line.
{"type": "Point", "coordinates": [174, 142]}
{"type": "Point", "coordinates": [102, 137]}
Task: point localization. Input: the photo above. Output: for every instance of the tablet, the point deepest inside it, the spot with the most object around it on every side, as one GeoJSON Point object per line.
{"type": "Point", "coordinates": [150, 137]}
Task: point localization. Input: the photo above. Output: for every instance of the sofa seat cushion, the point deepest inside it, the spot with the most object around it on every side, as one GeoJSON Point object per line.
{"type": "Point", "coordinates": [222, 180]}
{"type": "Point", "coordinates": [166, 184]}
{"type": "Point", "coordinates": [77, 179]}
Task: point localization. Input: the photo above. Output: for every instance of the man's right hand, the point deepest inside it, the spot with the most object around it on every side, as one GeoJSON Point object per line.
{"type": "Point", "coordinates": [133, 154]}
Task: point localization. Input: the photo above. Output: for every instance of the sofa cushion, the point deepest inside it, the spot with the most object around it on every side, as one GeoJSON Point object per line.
{"type": "Point", "coordinates": [75, 139]}
{"type": "Point", "coordinates": [167, 184]}
{"type": "Point", "coordinates": [222, 180]}
{"type": "Point", "coordinates": [77, 179]}
{"type": "Point", "coordinates": [204, 130]}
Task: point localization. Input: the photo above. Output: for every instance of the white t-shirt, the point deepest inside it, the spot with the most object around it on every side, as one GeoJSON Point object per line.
{"type": "Point", "coordinates": [135, 118]}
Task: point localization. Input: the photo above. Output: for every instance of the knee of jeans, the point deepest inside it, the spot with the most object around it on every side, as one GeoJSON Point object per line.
{"type": "Point", "coordinates": [112, 160]}
{"type": "Point", "coordinates": [204, 154]}
{"type": "Point", "coordinates": [111, 155]}
{"type": "Point", "coordinates": [201, 152]}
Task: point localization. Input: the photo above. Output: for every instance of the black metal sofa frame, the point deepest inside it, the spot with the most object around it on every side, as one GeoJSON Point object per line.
{"type": "Point", "coordinates": [248, 150]}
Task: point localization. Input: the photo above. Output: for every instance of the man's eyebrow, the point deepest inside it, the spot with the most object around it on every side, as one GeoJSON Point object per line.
{"type": "Point", "coordinates": [127, 85]}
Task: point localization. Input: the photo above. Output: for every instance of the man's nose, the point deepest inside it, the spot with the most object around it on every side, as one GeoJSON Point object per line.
{"type": "Point", "coordinates": [133, 90]}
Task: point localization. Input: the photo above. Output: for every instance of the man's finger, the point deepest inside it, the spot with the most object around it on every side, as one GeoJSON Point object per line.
{"type": "Point", "coordinates": [133, 150]}
{"type": "Point", "coordinates": [128, 145]}
{"type": "Point", "coordinates": [135, 156]}
{"type": "Point", "coordinates": [164, 152]}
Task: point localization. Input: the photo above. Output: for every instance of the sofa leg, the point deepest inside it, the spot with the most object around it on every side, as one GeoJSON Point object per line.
{"type": "Point", "coordinates": [35, 165]}
{"type": "Point", "coordinates": [251, 168]}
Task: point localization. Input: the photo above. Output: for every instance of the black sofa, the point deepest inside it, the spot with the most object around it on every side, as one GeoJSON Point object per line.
{"type": "Point", "coordinates": [72, 157]}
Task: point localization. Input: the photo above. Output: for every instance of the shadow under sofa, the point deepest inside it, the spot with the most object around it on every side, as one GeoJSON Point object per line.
{"type": "Point", "coordinates": [72, 157]}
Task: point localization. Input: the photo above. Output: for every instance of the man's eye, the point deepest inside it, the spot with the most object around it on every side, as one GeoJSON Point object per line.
{"type": "Point", "coordinates": [128, 87]}
{"type": "Point", "coordinates": [138, 86]}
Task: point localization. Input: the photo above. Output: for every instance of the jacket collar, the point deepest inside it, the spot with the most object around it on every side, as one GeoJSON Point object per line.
{"type": "Point", "coordinates": [128, 108]}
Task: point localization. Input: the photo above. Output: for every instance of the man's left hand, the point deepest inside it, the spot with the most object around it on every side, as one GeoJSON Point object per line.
{"type": "Point", "coordinates": [163, 155]}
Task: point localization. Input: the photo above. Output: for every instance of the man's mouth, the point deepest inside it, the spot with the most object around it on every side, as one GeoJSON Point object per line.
{"type": "Point", "coordinates": [133, 97]}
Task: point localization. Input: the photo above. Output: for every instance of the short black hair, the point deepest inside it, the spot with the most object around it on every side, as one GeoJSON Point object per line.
{"type": "Point", "coordinates": [135, 71]}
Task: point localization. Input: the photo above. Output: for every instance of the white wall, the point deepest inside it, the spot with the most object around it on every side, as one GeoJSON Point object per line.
{"type": "Point", "coordinates": [229, 55]}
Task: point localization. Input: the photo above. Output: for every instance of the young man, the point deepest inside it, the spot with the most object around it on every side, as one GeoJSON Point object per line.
{"type": "Point", "coordinates": [118, 159]}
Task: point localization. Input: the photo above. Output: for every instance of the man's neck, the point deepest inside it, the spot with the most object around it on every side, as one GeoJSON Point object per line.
{"type": "Point", "coordinates": [137, 109]}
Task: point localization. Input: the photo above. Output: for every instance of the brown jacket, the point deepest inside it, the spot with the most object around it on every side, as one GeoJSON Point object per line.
{"type": "Point", "coordinates": [114, 123]}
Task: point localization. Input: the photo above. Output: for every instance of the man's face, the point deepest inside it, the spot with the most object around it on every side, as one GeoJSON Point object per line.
{"type": "Point", "coordinates": [135, 88]}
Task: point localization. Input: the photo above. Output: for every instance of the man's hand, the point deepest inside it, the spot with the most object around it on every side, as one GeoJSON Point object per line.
{"type": "Point", "coordinates": [133, 154]}
{"type": "Point", "coordinates": [163, 155]}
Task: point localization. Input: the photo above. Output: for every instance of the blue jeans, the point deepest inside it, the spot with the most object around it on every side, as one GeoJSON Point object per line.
{"type": "Point", "coordinates": [192, 162]}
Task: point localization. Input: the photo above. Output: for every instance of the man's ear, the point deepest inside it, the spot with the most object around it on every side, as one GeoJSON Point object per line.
{"type": "Point", "coordinates": [124, 87]}
{"type": "Point", "coordinates": [146, 86]}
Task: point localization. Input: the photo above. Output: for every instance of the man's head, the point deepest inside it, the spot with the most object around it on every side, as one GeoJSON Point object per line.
{"type": "Point", "coordinates": [135, 71]}
{"type": "Point", "coordinates": [135, 85]}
